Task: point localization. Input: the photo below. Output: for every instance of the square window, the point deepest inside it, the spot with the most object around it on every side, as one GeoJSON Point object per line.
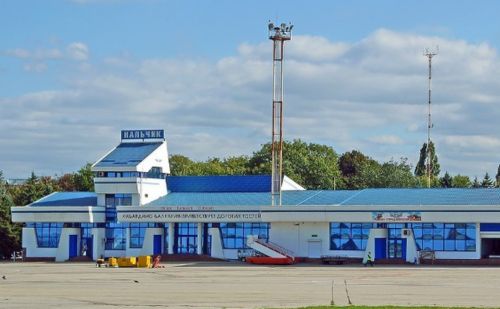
{"type": "Point", "coordinates": [438, 245]}
{"type": "Point", "coordinates": [449, 245]}
{"type": "Point", "coordinates": [470, 245]}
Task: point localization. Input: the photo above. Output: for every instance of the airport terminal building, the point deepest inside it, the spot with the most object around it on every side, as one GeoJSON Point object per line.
{"type": "Point", "coordinates": [138, 209]}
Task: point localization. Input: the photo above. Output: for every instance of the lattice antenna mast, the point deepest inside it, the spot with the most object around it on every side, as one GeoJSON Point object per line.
{"type": "Point", "coordinates": [278, 34]}
{"type": "Point", "coordinates": [429, 54]}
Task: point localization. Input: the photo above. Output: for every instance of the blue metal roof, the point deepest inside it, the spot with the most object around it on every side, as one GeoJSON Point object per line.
{"type": "Point", "coordinates": [67, 199]}
{"type": "Point", "coordinates": [233, 183]}
{"type": "Point", "coordinates": [426, 197]}
{"type": "Point", "coordinates": [367, 197]}
{"type": "Point", "coordinates": [128, 154]}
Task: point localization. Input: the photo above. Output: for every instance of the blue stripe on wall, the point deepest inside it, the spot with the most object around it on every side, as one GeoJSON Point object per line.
{"type": "Point", "coordinates": [490, 227]}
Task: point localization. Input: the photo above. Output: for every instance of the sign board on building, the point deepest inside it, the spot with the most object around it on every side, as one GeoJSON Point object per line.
{"type": "Point", "coordinates": [189, 216]}
{"type": "Point", "coordinates": [396, 216]}
{"type": "Point", "coordinates": [143, 134]}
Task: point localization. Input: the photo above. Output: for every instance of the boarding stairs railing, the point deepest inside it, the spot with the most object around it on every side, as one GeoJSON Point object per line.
{"type": "Point", "coordinates": [277, 248]}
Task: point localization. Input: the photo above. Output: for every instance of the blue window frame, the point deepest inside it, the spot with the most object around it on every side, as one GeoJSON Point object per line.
{"type": "Point", "coordinates": [48, 234]}
{"type": "Point", "coordinates": [154, 172]}
{"type": "Point", "coordinates": [187, 235]}
{"type": "Point", "coordinates": [349, 236]}
{"type": "Point", "coordinates": [117, 174]}
{"type": "Point", "coordinates": [86, 238]}
{"type": "Point", "coordinates": [445, 236]}
{"type": "Point", "coordinates": [130, 174]}
{"type": "Point", "coordinates": [395, 240]}
{"type": "Point", "coordinates": [137, 232]}
{"type": "Point", "coordinates": [110, 214]}
{"type": "Point", "coordinates": [234, 235]}
{"type": "Point", "coordinates": [116, 233]}
{"type": "Point", "coordinates": [116, 236]}
{"type": "Point", "coordinates": [165, 232]}
{"type": "Point", "coordinates": [118, 199]}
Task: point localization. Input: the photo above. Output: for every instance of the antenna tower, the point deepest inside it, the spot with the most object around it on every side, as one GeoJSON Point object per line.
{"type": "Point", "coordinates": [429, 54]}
{"type": "Point", "coordinates": [278, 34]}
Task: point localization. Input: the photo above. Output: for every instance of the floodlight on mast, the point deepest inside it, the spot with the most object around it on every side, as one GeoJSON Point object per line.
{"type": "Point", "coordinates": [278, 35]}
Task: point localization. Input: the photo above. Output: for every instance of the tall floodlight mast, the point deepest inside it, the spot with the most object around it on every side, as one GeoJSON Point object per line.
{"type": "Point", "coordinates": [278, 34]}
{"type": "Point", "coordinates": [429, 54]}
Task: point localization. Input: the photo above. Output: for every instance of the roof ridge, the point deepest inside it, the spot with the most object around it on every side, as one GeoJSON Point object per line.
{"type": "Point", "coordinates": [43, 197]}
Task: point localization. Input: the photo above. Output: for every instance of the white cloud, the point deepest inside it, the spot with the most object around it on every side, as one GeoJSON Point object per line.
{"type": "Point", "coordinates": [35, 67]}
{"type": "Point", "coordinates": [37, 60]}
{"type": "Point", "coordinates": [18, 53]}
{"type": "Point", "coordinates": [472, 141]}
{"type": "Point", "coordinates": [386, 139]}
{"type": "Point", "coordinates": [369, 95]}
{"type": "Point", "coordinates": [78, 51]}
{"type": "Point", "coordinates": [36, 54]}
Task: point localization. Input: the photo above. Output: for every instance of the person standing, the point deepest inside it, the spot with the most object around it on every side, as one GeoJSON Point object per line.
{"type": "Point", "coordinates": [84, 249]}
{"type": "Point", "coordinates": [369, 259]}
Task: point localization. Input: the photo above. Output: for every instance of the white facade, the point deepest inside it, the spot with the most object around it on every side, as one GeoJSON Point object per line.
{"type": "Point", "coordinates": [120, 220]}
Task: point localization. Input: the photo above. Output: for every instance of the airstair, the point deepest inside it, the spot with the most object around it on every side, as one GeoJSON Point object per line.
{"type": "Point", "coordinates": [271, 253]}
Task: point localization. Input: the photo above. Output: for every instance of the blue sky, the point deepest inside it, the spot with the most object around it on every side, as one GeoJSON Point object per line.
{"type": "Point", "coordinates": [73, 73]}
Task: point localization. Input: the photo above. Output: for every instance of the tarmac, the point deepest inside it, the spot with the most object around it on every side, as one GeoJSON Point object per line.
{"type": "Point", "coordinates": [238, 285]}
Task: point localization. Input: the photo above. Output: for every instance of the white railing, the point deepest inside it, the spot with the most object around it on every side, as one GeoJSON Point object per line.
{"type": "Point", "coordinates": [276, 248]}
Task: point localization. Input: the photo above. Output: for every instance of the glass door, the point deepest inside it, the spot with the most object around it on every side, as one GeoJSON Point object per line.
{"type": "Point", "coordinates": [396, 244]}
{"type": "Point", "coordinates": [395, 248]}
{"type": "Point", "coordinates": [186, 234]}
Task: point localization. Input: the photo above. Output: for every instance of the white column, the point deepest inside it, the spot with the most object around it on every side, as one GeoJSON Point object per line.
{"type": "Point", "coordinates": [98, 245]}
{"type": "Point", "coordinates": [171, 238]}
{"type": "Point", "coordinates": [199, 239]}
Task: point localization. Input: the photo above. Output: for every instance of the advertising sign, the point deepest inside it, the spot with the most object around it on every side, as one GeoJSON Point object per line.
{"type": "Point", "coordinates": [396, 216]}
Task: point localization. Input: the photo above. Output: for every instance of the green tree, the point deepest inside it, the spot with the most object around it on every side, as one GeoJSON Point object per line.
{"type": "Point", "coordinates": [460, 181]}
{"type": "Point", "coordinates": [9, 232]}
{"type": "Point", "coordinates": [446, 181]}
{"type": "Point", "coordinates": [487, 181]}
{"type": "Point", "coordinates": [312, 165]}
{"type": "Point", "coordinates": [237, 165]}
{"type": "Point", "coordinates": [359, 171]}
{"type": "Point", "coordinates": [84, 179]}
{"type": "Point", "coordinates": [420, 168]}
{"type": "Point", "coordinates": [34, 189]}
{"type": "Point", "coordinates": [183, 166]}
{"type": "Point", "coordinates": [396, 174]}
{"type": "Point", "coordinates": [422, 182]}
{"type": "Point", "coordinates": [476, 183]}
{"type": "Point", "coordinates": [180, 165]}
{"type": "Point", "coordinates": [213, 166]}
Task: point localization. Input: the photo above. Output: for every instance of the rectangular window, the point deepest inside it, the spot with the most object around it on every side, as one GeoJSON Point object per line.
{"type": "Point", "coordinates": [116, 236]}
{"type": "Point", "coordinates": [48, 234]}
{"type": "Point", "coordinates": [137, 232]}
{"type": "Point", "coordinates": [111, 214]}
{"type": "Point", "coordinates": [445, 237]}
{"type": "Point", "coordinates": [130, 174]}
{"type": "Point", "coordinates": [187, 236]}
{"type": "Point", "coordinates": [118, 199]}
{"type": "Point", "coordinates": [234, 235]}
{"type": "Point", "coordinates": [349, 236]}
